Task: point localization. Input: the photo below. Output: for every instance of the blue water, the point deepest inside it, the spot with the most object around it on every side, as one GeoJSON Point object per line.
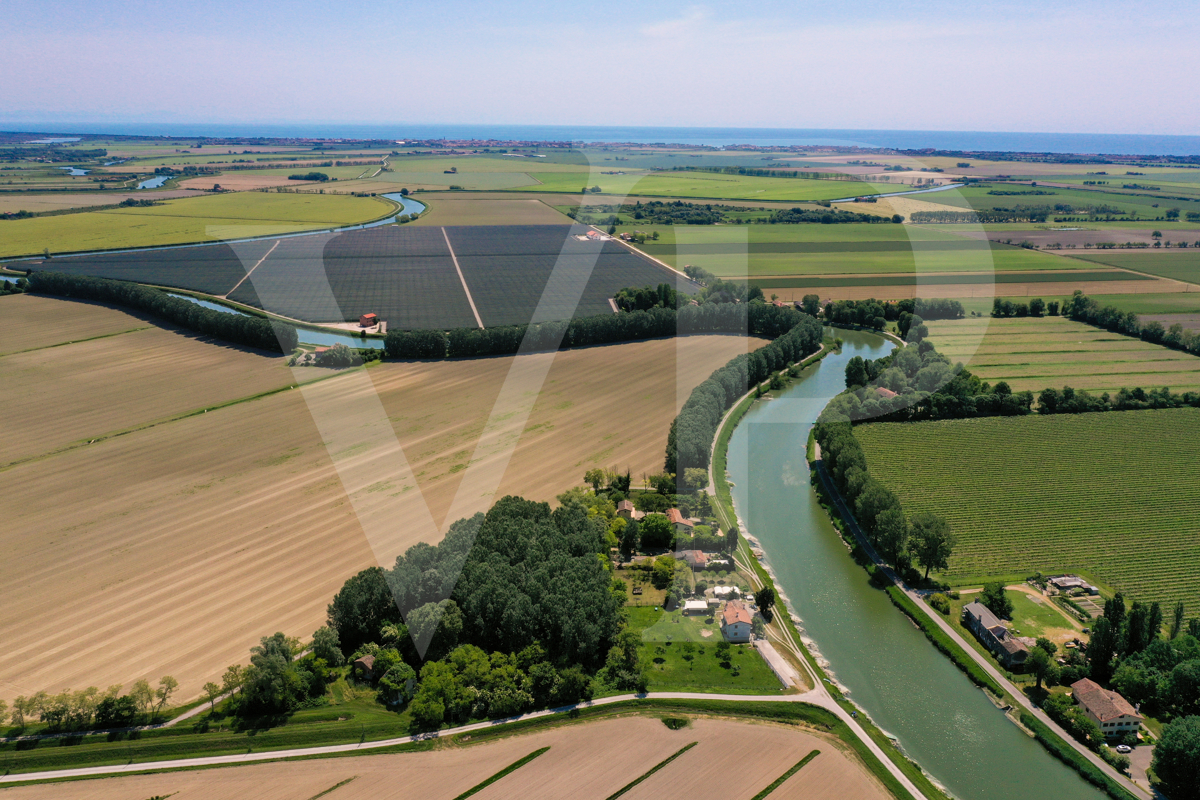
{"type": "Point", "coordinates": [76, 171]}
{"type": "Point", "coordinates": [306, 336]}
{"type": "Point", "coordinates": [1000, 141]}
{"type": "Point", "coordinates": [154, 183]}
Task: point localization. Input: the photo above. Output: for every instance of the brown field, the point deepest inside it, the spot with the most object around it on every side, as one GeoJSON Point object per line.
{"type": "Point", "coordinates": [589, 761]}
{"type": "Point", "coordinates": [1189, 322]}
{"type": "Point", "coordinates": [172, 549]}
{"type": "Point", "coordinates": [1055, 352]}
{"type": "Point", "coordinates": [24, 322]}
{"type": "Point", "coordinates": [466, 208]}
{"type": "Point", "coordinates": [10, 203]}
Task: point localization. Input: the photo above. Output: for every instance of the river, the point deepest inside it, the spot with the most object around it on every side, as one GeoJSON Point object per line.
{"type": "Point", "coordinates": [304, 335]}
{"type": "Point", "coordinates": [909, 688]}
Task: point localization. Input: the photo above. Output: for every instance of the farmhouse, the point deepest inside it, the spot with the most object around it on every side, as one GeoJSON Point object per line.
{"type": "Point", "coordinates": [696, 559]}
{"type": "Point", "coordinates": [1008, 649]}
{"type": "Point", "coordinates": [625, 510]}
{"type": "Point", "coordinates": [695, 607]}
{"type": "Point", "coordinates": [367, 320]}
{"type": "Point", "coordinates": [682, 524]}
{"type": "Point", "coordinates": [1110, 711]}
{"type": "Point", "coordinates": [1066, 583]}
{"type": "Point", "coordinates": [736, 622]}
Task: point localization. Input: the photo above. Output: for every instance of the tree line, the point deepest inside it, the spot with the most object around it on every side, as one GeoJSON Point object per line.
{"type": "Point", "coordinates": [754, 319]}
{"type": "Point", "coordinates": [923, 538]}
{"type": "Point", "coordinates": [91, 708]}
{"type": "Point", "coordinates": [244, 329]}
{"type": "Point", "coordinates": [794, 216]}
{"type": "Point", "coordinates": [689, 443]}
{"type": "Point", "coordinates": [907, 313]}
{"type": "Point", "coordinates": [1082, 308]}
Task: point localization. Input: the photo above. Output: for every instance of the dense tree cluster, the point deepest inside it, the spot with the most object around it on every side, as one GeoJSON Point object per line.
{"type": "Point", "coordinates": [18, 286]}
{"type": "Point", "coordinates": [907, 313]}
{"type": "Point", "coordinates": [823, 216]}
{"type": "Point", "coordinates": [526, 584]}
{"type": "Point", "coordinates": [648, 297]}
{"type": "Point", "coordinates": [242, 329]}
{"type": "Point", "coordinates": [91, 708]}
{"type": "Point", "coordinates": [676, 212]}
{"type": "Point", "coordinates": [1177, 758]}
{"type": "Point", "coordinates": [309, 176]}
{"type": "Point", "coordinates": [924, 539]}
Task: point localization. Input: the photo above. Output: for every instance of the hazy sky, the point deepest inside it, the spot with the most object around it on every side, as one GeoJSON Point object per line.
{"type": "Point", "coordinates": [1038, 66]}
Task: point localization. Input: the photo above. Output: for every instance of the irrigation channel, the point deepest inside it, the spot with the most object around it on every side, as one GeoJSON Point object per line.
{"type": "Point", "coordinates": [943, 188]}
{"type": "Point", "coordinates": [909, 689]}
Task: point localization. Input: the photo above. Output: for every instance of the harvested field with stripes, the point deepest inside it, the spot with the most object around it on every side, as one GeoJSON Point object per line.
{"type": "Point", "coordinates": [1108, 494]}
{"type": "Point", "coordinates": [173, 547]}
{"type": "Point", "coordinates": [1053, 352]}
{"type": "Point", "coordinates": [590, 760]}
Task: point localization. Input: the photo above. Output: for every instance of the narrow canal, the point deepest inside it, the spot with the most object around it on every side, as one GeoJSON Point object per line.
{"type": "Point", "coordinates": [910, 689]}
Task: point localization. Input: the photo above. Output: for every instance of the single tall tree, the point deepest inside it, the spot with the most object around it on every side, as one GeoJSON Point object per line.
{"type": "Point", "coordinates": [932, 541]}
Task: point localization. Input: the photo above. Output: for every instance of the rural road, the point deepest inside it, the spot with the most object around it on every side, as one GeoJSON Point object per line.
{"type": "Point", "coordinates": [1018, 696]}
{"type": "Point", "coordinates": [818, 697]}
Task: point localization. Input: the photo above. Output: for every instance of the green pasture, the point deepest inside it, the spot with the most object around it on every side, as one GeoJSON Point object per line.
{"type": "Point", "coordinates": [341, 173]}
{"type": "Point", "coordinates": [468, 180]}
{"type": "Point", "coordinates": [553, 162]}
{"type": "Point", "coordinates": [1176, 264]}
{"type": "Point", "coordinates": [977, 197]}
{"type": "Point", "coordinates": [1105, 493]}
{"type": "Point", "coordinates": [194, 219]}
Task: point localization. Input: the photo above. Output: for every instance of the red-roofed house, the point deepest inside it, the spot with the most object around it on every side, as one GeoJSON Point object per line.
{"type": "Point", "coordinates": [1110, 711]}
{"type": "Point", "coordinates": [696, 559]}
{"type": "Point", "coordinates": [682, 524]}
{"type": "Point", "coordinates": [736, 622]}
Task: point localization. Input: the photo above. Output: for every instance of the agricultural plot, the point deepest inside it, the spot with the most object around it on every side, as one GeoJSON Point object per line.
{"type": "Point", "coordinates": [195, 219]}
{"type": "Point", "coordinates": [1177, 265]}
{"type": "Point", "coordinates": [233, 523]}
{"type": "Point", "coordinates": [734, 759]}
{"type": "Point", "coordinates": [1106, 494]}
{"type": "Point", "coordinates": [704, 185]}
{"type": "Point", "coordinates": [471, 208]}
{"type": "Point", "coordinates": [407, 275]}
{"type": "Point", "coordinates": [212, 269]}
{"type": "Point", "coordinates": [1035, 354]}
{"type": "Point", "coordinates": [60, 201]}
{"type": "Point", "coordinates": [978, 197]}
{"type": "Point", "coordinates": [22, 323]}
{"type": "Point", "coordinates": [779, 250]}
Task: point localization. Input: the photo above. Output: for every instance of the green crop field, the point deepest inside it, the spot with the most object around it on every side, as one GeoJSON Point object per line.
{"type": "Point", "coordinates": [194, 219]}
{"type": "Point", "coordinates": [1108, 494]}
{"type": "Point", "coordinates": [1179, 265]}
{"type": "Point", "coordinates": [704, 185]}
{"type": "Point", "coordinates": [977, 197]}
{"type": "Point", "coordinates": [1052, 352]}
{"type": "Point", "coordinates": [771, 250]}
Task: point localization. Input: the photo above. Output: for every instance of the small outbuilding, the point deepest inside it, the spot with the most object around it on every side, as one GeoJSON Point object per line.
{"type": "Point", "coordinates": [364, 667]}
{"type": "Point", "coordinates": [625, 510]}
{"type": "Point", "coordinates": [368, 320]}
{"type": "Point", "coordinates": [696, 607]}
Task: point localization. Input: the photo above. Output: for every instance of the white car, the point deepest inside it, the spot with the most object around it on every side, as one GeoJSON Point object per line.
{"type": "Point", "coordinates": [1124, 748]}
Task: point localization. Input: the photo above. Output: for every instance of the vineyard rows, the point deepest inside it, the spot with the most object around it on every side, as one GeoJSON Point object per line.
{"type": "Point", "coordinates": [1108, 494]}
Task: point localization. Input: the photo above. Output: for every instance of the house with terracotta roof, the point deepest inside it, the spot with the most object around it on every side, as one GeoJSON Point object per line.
{"type": "Point", "coordinates": [992, 634]}
{"type": "Point", "coordinates": [736, 622]}
{"type": "Point", "coordinates": [1111, 712]}
{"type": "Point", "coordinates": [682, 524]}
{"type": "Point", "coordinates": [625, 510]}
{"type": "Point", "coordinates": [696, 559]}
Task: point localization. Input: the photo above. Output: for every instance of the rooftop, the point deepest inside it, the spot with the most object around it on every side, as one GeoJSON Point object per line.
{"type": "Point", "coordinates": [1105, 705]}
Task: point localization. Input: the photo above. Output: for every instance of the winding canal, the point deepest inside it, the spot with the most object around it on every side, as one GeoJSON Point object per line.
{"type": "Point", "coordinates": [910, 689]}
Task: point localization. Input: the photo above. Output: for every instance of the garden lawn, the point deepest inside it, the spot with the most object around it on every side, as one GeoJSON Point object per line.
{"type": "Point", "coordinates": [665, 637]}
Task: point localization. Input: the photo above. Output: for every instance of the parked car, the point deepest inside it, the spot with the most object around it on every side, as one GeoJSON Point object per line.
{"type": "Point", "coordinates": [1124, 748]}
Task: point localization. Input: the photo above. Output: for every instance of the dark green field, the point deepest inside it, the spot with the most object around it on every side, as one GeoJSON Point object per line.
{"type": "Point", "coordinates": [1107, 494]}
{"type": "Point", "coordinates": [1179, 265]}
{"type": "Point", "coordinates": [945, 280]}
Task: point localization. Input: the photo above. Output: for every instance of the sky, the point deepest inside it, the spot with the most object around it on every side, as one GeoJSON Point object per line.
{"type": "Point", "coordinates": [1097, 67]}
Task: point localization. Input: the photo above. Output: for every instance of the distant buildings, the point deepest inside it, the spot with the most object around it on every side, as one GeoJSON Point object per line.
{"type": "Point", "coordinates": [1110, 711]}
{"type": "Point", "coordinates": [737, 623]}
{"type": "Point", "coordinates": [1008, 649]}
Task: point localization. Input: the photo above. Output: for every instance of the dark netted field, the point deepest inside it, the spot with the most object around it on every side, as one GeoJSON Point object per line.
{"type": "Point", "coordinates": [405, 274]}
